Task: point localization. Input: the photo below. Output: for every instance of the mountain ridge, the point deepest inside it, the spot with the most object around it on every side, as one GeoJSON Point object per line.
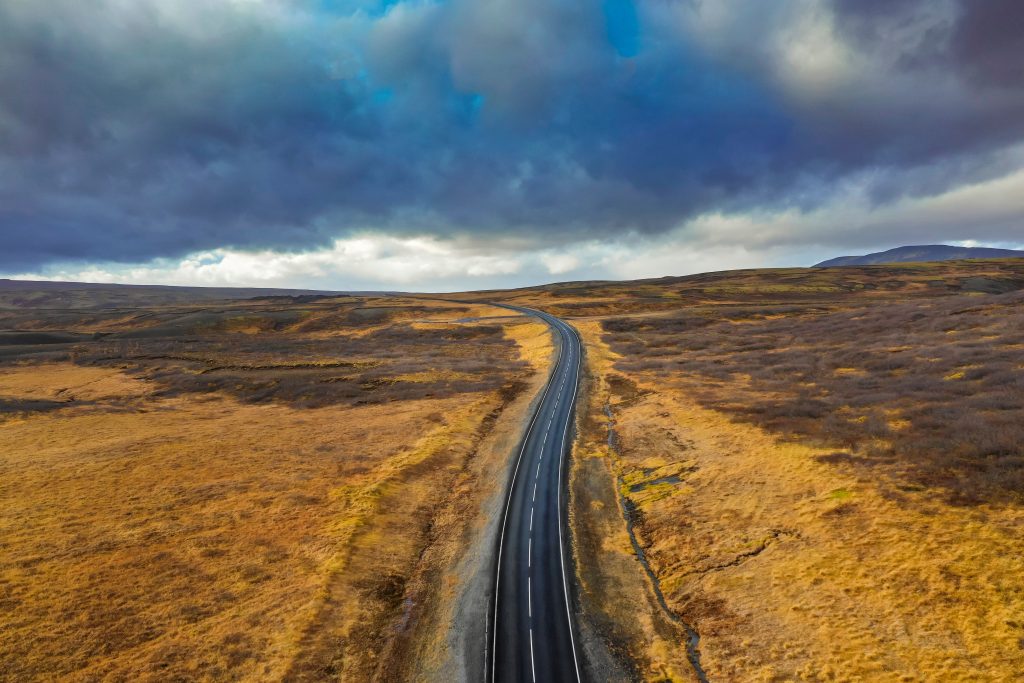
{"type": "Point", "coordinates": [919, 253]}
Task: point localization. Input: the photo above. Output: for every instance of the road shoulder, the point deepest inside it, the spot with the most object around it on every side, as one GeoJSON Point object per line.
{"type": "Point", "coordinates": [445, 639]}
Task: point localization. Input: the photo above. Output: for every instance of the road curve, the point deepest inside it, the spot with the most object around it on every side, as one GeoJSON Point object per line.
{"type": "Point", "coordinates": [531, 627]}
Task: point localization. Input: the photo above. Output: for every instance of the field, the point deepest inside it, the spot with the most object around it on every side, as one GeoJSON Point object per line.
{"type": "Point", "coordinates": [819, 469]}
{"type": "Point", "coordinates": [250, 490]}
{"type": "Point", "coordinates": [799, 474]}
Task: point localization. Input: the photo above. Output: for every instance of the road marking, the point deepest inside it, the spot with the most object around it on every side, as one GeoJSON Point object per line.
{"type": "Point", "coordinates": [533, 668]}
{"type": "Point", "coordinates": [568, 335]}
{"type": "Point", "coordinates": [561, 547]}
{"type": "Point", "coordinates": [538, 470]}
{"type": "Point", "coordinates": [504, 523]}
{"type": "Point", "coordinates": [529, 553]}
{"type": "Point", "coordinates": [529, 597]}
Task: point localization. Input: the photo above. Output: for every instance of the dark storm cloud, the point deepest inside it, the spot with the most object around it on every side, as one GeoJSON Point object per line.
{"type": "Point", "coordinates": [131, 130]}
{"type": "Point", "coordinates": [989, 41]}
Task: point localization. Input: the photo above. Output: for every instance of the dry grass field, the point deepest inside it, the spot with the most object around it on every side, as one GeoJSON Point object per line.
{"type": "Point", "coordinates": [243, 490]}
{"type": "Point", "coordinates": [820, 469]}
{"type": "Point", "coordinates": [797, 474]}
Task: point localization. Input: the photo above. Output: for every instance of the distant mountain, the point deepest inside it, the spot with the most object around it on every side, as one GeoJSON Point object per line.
{"type": "Point", "coordinates": [926, 252]}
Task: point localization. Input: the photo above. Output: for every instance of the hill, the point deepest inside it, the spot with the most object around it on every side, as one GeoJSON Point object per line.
{"type": "Point", "coordinates": [920, 253]}
{"type": "Point", "coordinates": [767, 287]}
{"type": "Point", "coordinates": [43, 294]}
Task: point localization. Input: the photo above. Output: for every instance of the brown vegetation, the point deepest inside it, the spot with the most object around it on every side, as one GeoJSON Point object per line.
{"type": "Point", "coordinates": [821, 470]}
{"type": "Point", "coordinates": [240, 491]}
{"type": "Point", "coordinates": [818, 471]}
{"type": "Point", "coordinates": [930, 391]}
{"type": "Point", "coordinates": [802, 287]}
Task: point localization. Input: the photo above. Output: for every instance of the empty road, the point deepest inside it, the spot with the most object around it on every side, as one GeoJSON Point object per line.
{"type": "Point", "coordinates": [531, 624]}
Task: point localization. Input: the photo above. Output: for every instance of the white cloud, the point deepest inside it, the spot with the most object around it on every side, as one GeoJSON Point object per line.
{"type": "Point", "coordinates": [560, 263]}
{"type": "Point", "coordinates": [357, 262]}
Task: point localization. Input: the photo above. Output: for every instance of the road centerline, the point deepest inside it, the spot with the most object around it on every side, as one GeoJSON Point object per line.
{"type": "Point", "coordinates": [553, 654]}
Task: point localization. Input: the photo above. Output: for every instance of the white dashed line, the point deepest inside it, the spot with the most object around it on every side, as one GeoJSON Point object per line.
{"type": "Point", "coordinates": [561, 546]}
{"type": "Point", "coordinates": [533, 668]}
{"type": "Point", "coordinates": [501, 539]}
{"type": "Point", "coordinates": [570, 340]}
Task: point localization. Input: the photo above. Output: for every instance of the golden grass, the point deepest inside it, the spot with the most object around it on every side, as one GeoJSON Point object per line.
{"type": "Point", "coordinates": [431, 376]}
{"type": "Point", "coordinates": [182, 535]}
{"type": "Point", "coordinates": [795, 570]}
{"type": "Point", "coordinates": [617, 598]}
{"type": "Point", "coordinates": [801, 548]}
{"type": "Point", "coordinates": [66, 382]}
{"type": "Point", "coordinates": [533, 340]}
{"type": "Point", "coordinates": [184, 538]}
{"type": "Point", "coordinates": [386, 513]}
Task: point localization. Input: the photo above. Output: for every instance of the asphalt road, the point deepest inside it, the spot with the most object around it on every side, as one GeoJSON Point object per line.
{"type": "Point", "coordinates": [531, 625]}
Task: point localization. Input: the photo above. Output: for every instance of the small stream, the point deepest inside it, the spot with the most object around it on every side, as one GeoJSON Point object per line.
{"type": "Point", "coordinates": [692, 637]}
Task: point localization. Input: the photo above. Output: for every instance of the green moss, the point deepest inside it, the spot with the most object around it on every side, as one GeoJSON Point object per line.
{"type": "Point", "coordinates": [841, 494]}
{"type": "Point", "coordinates": [654, 492]}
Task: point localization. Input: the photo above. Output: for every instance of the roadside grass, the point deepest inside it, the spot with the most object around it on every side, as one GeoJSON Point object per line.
{"type": "Point", "coordinates": [792, 566]}
{"type": "Point", "coordinates": [617, 598]}
{"type": "Point", "coordinates": [533, 340]}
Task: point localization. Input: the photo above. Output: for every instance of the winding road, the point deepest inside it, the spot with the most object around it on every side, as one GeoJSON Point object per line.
{"type": "Point", "coordinates": [531, 627]}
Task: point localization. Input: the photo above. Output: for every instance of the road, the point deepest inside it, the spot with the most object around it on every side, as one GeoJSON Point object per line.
{"type": "Point", "coordinates": [531, 626]}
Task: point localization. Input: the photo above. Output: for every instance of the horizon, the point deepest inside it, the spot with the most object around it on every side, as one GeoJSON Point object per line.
{"type": "Point", "coordinates": [399, 292]}
{"type": "Point", "coordinates": [404, 145]}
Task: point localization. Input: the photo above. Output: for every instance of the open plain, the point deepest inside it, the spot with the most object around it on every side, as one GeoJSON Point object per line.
{"type": "Point", "coordinates": [800, 474]}
{"type": "Point", "coordinates": [269, 489]}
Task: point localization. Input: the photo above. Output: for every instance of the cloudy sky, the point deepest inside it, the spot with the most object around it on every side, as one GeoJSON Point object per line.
{"type": "Point", "coordinates": [477, 143]}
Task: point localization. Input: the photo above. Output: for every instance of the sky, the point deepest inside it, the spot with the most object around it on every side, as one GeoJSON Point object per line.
{"type": "Point", "coordinates": [390, 144]}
